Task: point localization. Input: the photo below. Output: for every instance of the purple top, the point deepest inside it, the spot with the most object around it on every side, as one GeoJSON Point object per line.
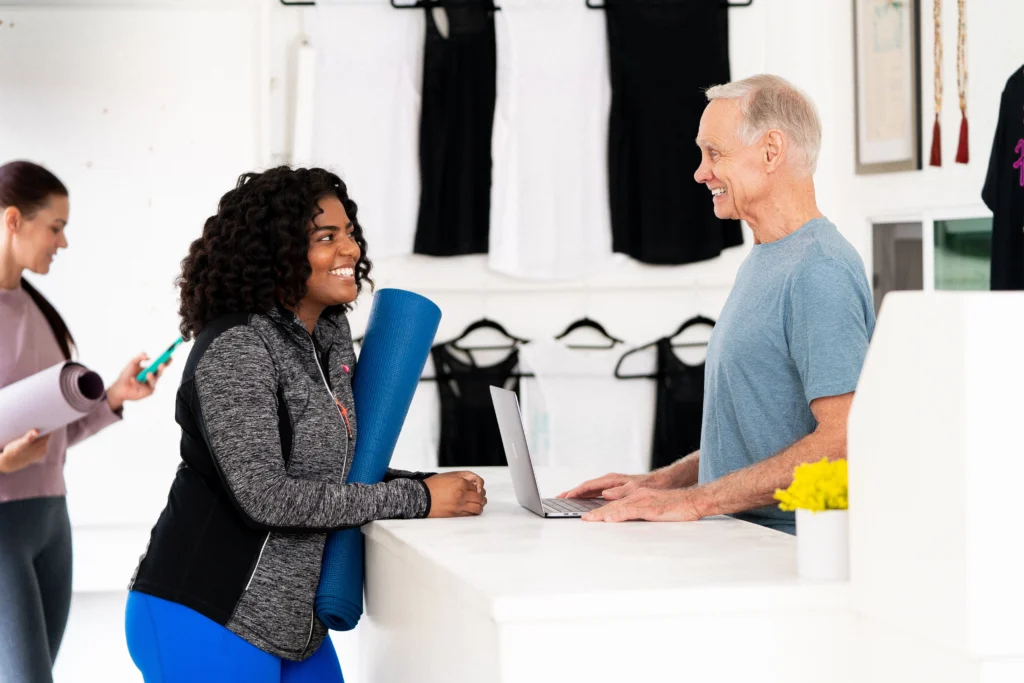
{"type": "Point", "coordinates": [27, 345]}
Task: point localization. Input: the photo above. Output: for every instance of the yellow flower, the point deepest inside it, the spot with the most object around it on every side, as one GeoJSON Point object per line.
{"type": "Point", "coordinates": [816, 486]}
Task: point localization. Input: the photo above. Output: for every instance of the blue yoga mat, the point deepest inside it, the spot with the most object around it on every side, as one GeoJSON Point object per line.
{"type": "Point", "coordinates": [395, 348]}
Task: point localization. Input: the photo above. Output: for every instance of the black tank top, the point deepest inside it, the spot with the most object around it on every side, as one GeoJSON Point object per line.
{"type": "Point", "coordinates": [663, 55]}
{"type": "Point", "coordinates": [679, 407]}
{"type": "Point", "coordinates": [469, 429]}
{"type": "Point", "coordinates": [459, 74]}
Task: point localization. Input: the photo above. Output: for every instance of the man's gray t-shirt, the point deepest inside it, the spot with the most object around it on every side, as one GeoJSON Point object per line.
{"type": "Point", "coordinates": [795, 328]}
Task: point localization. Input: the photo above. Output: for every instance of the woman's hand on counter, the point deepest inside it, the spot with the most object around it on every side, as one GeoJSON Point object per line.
{"type": "Point", "coordinates": [678, 505]}
{"type": "Point", "coordinates": [456, 494]}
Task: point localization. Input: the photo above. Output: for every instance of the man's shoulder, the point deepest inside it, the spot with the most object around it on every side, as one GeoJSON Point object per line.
{"type": "Point", "coordinates": [830, 280]}
{"type": "Point", "coordinates": [828, 253]}
{"type": "Point", "coordinates": [824, 271]}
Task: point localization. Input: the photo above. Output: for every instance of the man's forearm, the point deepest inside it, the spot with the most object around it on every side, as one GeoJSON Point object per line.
{"type": "Point", "coordinates": [681, 473]}
{"type": "Point", "coordinates": [755, 486]}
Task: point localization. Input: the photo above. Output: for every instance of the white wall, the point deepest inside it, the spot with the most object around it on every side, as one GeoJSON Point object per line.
{"type": "Point", "coordinates": [149, 109]}
{"type": "Point", "coordinates": [147, 113]}
{"type": "Point", "coordinates": [994, 51]}
{"type": "Point", "coordinates": [811, 43]}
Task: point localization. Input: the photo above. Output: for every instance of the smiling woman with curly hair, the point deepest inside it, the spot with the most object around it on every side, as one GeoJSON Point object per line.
{"type": "Point", "coordinates": [226, 587]}
{"type": "Point", "coordinates": [253, 252]}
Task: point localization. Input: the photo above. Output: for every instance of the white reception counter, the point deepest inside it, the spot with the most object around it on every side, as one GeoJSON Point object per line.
{"type": "Point", "coordinates": [509, 596]}
{"type": "Point", "coordinates": [936, 465]}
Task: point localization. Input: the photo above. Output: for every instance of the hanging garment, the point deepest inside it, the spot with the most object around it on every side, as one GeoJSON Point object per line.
{"type": "Point", "coordinates": [366, 112]}
{"type": "Point", "coordinates": [1004, 188]}
{"type": "Point", "coordinates": [455, 130]}
{"type": "Point", "coordinates": [578, 415]}
{"type": "Point", "coordinates": [663, 57]}
{"type": "Point", "coordinates": [469, 429]}
{"type": "Point", "coordinates": [679, 407]}
{"type": "Point", "coordinates": [550, 141]}
{"type": "Point", "coordinates": [421, 432]}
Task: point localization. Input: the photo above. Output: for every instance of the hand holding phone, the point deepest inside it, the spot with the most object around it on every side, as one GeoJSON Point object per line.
{"type": "Point", "coordinates": [160, 360]}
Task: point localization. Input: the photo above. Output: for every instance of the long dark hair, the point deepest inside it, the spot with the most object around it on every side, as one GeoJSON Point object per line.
{"type": "Point", "coordinates": [28, 187]}
{"type": "Point", "coordinates": [254, 253]}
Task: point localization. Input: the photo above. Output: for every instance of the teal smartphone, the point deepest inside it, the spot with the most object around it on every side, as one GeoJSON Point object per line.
{"type": "Point", "coordinates": [155, 365]}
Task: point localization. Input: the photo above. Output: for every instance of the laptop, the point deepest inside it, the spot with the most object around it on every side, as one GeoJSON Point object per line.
{"type": "Point", "coordinates": [513, 438]}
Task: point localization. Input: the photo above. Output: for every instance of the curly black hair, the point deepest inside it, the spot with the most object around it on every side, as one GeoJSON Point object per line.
{"type": "Point", "coordinates": [253, 252]}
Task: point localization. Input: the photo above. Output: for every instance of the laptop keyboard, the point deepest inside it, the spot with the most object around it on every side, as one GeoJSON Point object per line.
{"type": "Point", "coordinates": [573, 505]}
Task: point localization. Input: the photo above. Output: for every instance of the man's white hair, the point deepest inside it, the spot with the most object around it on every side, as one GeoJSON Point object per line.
{"type": "Point", "coordinates": [769, 102]}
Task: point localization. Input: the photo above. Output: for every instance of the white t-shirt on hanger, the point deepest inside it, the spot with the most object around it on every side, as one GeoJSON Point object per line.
{"type": "Point", "coordinates": [549, 200]}
{"type": "Point", "coordinates": [578, 415]}
{"type": "Point", "coordinates": [366, 113]}
{"type": "Point", "coordinates": [420, 438]}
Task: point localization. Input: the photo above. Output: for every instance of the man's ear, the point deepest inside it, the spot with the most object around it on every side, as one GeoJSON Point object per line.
{"type": "Point", "coordinates": [774, 149]}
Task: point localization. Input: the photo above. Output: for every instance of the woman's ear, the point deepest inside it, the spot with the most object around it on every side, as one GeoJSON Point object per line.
{"type": "Point", "coordinates": [12, 219]}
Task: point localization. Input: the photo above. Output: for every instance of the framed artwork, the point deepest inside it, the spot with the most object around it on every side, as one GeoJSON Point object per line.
{"type": "Point", "coordinates": [887, 85]}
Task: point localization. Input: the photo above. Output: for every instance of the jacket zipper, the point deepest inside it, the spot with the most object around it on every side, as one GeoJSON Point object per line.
{"type": "Point", "coordinates": [258, 558]}
{"type": "Point", "coordinates": [348, 448]}
{"type": "Point", "coordinates": [341, 410]}
{"type": "Point", "coordinates": [309, 638]}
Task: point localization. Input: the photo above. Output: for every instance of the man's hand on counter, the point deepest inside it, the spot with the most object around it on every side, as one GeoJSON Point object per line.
{"type": "Point", "coordinates": [678, 505]}
{"type": "Point", "coordinates": [616, 486]}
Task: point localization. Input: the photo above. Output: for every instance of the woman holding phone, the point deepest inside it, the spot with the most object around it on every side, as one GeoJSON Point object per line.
{"type": "Point", "coordinates": [35, 533]}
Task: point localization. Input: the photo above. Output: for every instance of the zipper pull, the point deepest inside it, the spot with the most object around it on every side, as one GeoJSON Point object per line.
{"type": "Point", "coordinates": [344, 414]}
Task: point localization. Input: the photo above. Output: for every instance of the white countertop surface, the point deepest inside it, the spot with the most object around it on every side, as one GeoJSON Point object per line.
{"type": "Point", "coordinates": [517, 566]}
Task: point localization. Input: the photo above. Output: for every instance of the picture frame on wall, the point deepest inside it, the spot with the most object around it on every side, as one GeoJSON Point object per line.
{"type": "Point", "coordinates": [887, 85]}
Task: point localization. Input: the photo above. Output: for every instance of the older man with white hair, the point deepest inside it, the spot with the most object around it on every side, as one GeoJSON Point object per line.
{"type": "Point", "coordinates": [784, 359]}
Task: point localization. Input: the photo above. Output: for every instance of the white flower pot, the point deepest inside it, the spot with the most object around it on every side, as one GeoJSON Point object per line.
{"type": "Point", "coordinates": [823, 544]}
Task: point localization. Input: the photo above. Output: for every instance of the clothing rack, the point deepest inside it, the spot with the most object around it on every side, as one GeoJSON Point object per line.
{"type": "Point", "coordinates": [747, 3]}
{"type": "Point", "coordinates": [418, 4]}
{"type": "Point", "coordinates": [445, 375]}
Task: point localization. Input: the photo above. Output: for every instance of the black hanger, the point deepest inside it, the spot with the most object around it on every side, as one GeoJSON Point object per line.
{"type": "Point", "coordinates": [303, 3]}
{"type": "Point", "coordinates": [748, 3]}
{"type": "Point", "coordinates": [486, 323]}
{"type": "Point", "coordinates": [695, 320]}
{"type": "Point", "coordinates": [594, 325]}
{"type": "Point", "coordinates": [418, 4]}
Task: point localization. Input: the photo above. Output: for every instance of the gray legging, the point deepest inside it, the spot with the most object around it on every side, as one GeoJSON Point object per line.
{"type": "Point", "coordinates": [35, 587]}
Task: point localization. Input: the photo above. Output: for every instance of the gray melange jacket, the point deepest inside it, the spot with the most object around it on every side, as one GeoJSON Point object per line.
{"type": "Point", "coordinates": [268, 429]}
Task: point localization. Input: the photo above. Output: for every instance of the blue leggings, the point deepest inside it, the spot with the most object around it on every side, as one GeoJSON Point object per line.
{"type": "Point", "coordinates": [171, 643]}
